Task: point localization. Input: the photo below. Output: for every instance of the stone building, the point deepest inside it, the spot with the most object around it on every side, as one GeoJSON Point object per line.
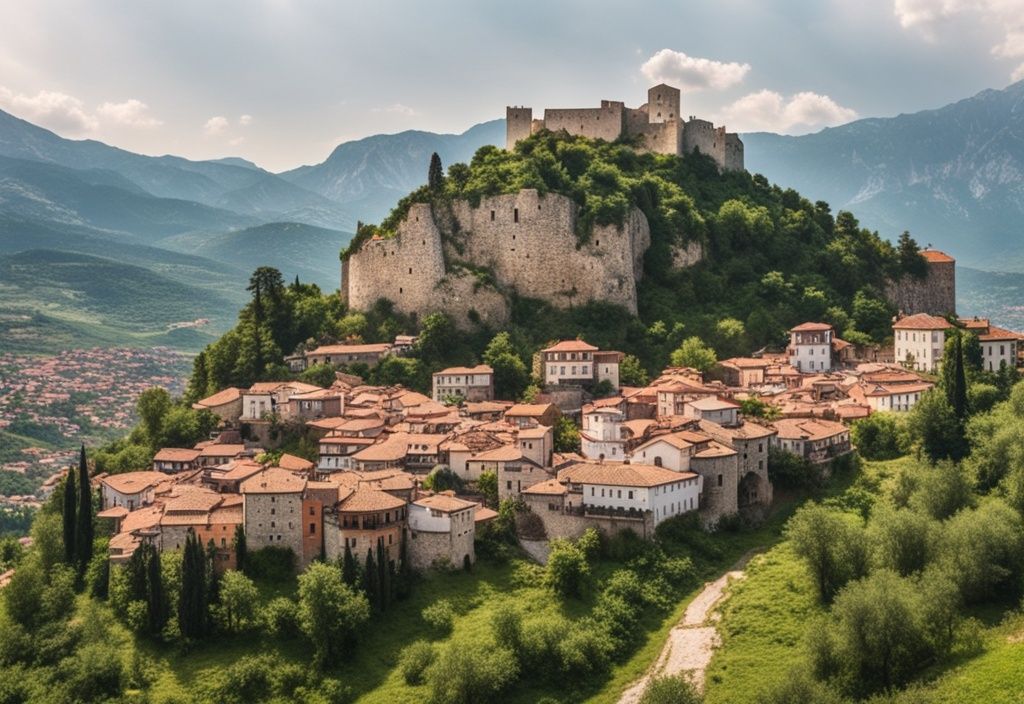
{"type": "Point", "coordinates": [273, 510]}
{"type": "Point", "coordinates": [441, 532]}
{"type": "Point", "coordinates": [810, 347]}
{"type": "Point", "coordinates": [225, 404]}
{"type": "Point", "coordinates": [657, 126]}
{"type": "Point", "coordinates": [363, 519]}
{"type": "Point", "coordinates": [920, 341]}
{"type": "Point", "coordinates": [814, 439]}
{"type": "Point", "coordinates": [472, 384]}
{"type": "Point", "coordinates": [934, 294]}
{"type": "Point", "coordinates": [575, 362]}
{"type": "Point", "coordinates": [175, 459]}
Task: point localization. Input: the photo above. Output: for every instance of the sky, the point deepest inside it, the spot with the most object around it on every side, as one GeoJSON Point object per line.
{"type": "Point", "coordinates": [282, 82]}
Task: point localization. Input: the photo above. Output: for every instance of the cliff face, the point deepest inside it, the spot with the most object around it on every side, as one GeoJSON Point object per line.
{"type": "Point", "coordinates": [523, 243]}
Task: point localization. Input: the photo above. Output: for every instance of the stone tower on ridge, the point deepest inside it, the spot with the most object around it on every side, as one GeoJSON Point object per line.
{"type": "Point", "coordinates": [657, 124]}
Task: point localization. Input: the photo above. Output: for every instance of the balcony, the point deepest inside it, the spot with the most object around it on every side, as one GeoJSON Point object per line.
{"type": "Point", "coordinates": [618, 513]}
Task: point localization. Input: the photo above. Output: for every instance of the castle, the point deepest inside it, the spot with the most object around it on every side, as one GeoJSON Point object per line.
{"type": "Point", "coordinates": [657, 126]}
{"type": "Point", "coordinates": [935, 293]}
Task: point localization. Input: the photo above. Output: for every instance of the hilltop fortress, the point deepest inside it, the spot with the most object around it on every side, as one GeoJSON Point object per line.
{"type": "Point", "coordinates": [657, 126]}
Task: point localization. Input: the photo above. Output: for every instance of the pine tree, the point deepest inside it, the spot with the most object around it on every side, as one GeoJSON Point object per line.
{"type": "Point", "coordinates": [384, 567]}
{"type": "Point", "coordinates": [241, 550]}
{"type": "Point", "coordinates": [959, 381]}
{"type": "Point", "coordinates": [435, 175]}
{"type": "Point", "coordinates": [192, 602]}
{"type": "Point", "coordinates": [68, 517]}
{"type": "Point", "coordinates": [403, 585]}
{"type": "Point", "coordinates": [349, 570]}
{"type": "Point", "coordinates": [83, 527]}
{"type": "Point", "coordinates": [156, 598]}
{"type": "Point", "coordinates": [135, 571]}
{"type": "Point", "coordinates": [371, 581]}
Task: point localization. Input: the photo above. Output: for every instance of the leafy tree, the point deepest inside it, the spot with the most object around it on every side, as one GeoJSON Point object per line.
{"type": "Point", "coordinates": [511, 376]}
{"type": "Point", "coordinates": [933, 423]}
{"type": "Point", "coordinates": [982, 551]}
{"type": "Point", "coordinates": [695, 354]}
{"type": "Point", "coordinates": [632, 372]}
{"type": "Point", "coordinates": [902, 540]}
{"type": "Point", "coordinates": [384, 566]}
{"type": "Point", "coordinates": [331, 614]}
{"type": "Point", "coordinates": [414, 659]}
{"type": "Point", "coordinates": [469, 675]}
{"type": "Point", "coordinates": [435, 175]}
{"type": "Point", "coordinates": [151, 407]}
{"type": "Point", "coordinates": [941, 490]}
{"type": "Point", "coordinates": [566, 435]}
{"type": "Point", "coordinates": [440, 616]}
{"type": "Point", "coordinates": [442, 478]}
{"type": "Point", "coordinates": [910, 258]}
{"type": "Point", "coordinates": [872, 315]}
{"type": "Point", "coordinates": [567, 571]}
{"type": "Point", "coordinates": [880, 436]}
{"type": "Point", "coordinates": [238, 599]}
{"type": "Point", "coordinates": [831, 544]}
{"type": "Point", "coordinates": [318, 375]}
{"type": "Point", "coordinates": [487, 485]}
{"type": "Point", "coordinates": [84, 517]}
{"type": "Point", "coordinates": [69, 520]}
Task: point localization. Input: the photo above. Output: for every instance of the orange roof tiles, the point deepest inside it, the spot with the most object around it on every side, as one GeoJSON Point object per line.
{"type": "Point", "coordinates": [220, 398]}
{"type": "Point", "coordinates": [445, 503]}
{"type": "Point", "coordinates": [376, 348]}
{"type": "Point", "coordinates": [176, 454]}
{"type": "Point", "coordinates": [570, 346]}
{"type": "Point", "coordinates": [629, 475]}
{"type": "Point", "coordinates": [364, 499]}
{"type": "Point", "coordinates": [551, 487]}
{"type": "Point", "coordinates": [274, 480]}
{"type": "Point", "coordinates": [133, 482]}
{"type": "Point", "coordinates": [478, 369]}
{"type": "Point", "coordinates": [922, 321]}
{"type": "Point", "coordinates": [934, 256]}
{"type": "Point", "coordinates": [811, 327]}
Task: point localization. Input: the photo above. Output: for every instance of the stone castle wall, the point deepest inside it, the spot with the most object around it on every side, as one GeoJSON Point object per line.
{"type": "Point", "coordinates": [934, 294]}
{"type": "Point", "coordinates": [527, 241]}
{"type": "Point", "coordinates": [606, 122]}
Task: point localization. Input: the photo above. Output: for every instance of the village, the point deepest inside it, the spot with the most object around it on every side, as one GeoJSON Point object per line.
{"type": "Point", "coordinates": [394, 467]}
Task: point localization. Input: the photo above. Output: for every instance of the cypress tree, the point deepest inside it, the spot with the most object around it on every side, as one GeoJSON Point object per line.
{"type": "Point", "coordinates": [384, 566]}
{"type": "Point", "coordinates": [157, 599]}
{"type": "Point", "coordinates": [371, 581]}
{"type": "Point", "coordinates": [959, 381]}
{"type": "Point", "coordinates": [403, 585]}
{"type": "Point", "coordinates": [136, 574]}
{"type": "Point", "coordinates": [100, 587]}
{"type": "Point", "coordinates": [349, 570]}
{"type": "Point", "coordinates": [192, 602]}
{"type": "Point", "coordinates": [83, 527]}
{"type": "Point", "coordinates": [68, 516]}
{"type": "Point", "coordinates": [241, 550]}
{"type": "Point", "coordinates": [435, 174]}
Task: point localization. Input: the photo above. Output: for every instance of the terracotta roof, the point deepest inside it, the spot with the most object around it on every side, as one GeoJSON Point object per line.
{"type": "Point", "coordinates": [294, 464]}
{"type": "Point", "coordinates": [715, 449]}
{"type": "Point", "coordinates": [366, 499]}
{"type": "Point", "coordinates": [376, 348]}
{"type": "Point", "coordinates": [478, 369]}
{"type": "Point", "coordinates": [813, 428]}
{"type": "Point", "coordinates": [745, 362]}
{"type": "Point", "coordinates": [811, 327]}
{"type": "Point", "coordinates": [133, 482]}
{"type": "Point", "coordinates": [274, 480]}
{"type": "Point", "coordinates": [934, 256]}
{"type": "Point", "coordinates": [746, 431]}
{"type": "Point", "coordinates": [631, 475]}
{"type": "Point", "coordinates": [484, 514]}
{"type": "Point", "coordinates": [997, 334]}
{"type": "Point", "coordinates": [974, 323]}
{"type": "Point", "coordinates": [217, 450]}
{"type": "Point", "coordinates": [570, 346]}
{"type": "Point", "coordinates": [713, 404]}
{"type": "Point", "coordinates": [392, 449]}
{"type": "Point", "coordinates": [529, 410]}
{"type": "Point", "coordinates": [113, 512]}
{"type": "Point", "coordinates": [505, 453]}
{"type": "Point", "coordinates": [445, 503]}
{"type": "Point", "coordinates": [240, 469]}
{"type": "Point", "coordinates": [473, 408]}
{"type": "Point", "coordinates": [672, 439]}
{"type": "Point", "coordinates": [176, 454]}
{"type": "Point", "coordinates": [534, 433]}
{"type": "Point", "coordinates": [551, 487]}
{"type": "Point", "coordinates": [922, 321]}
{"type": "Point", "coordinates": [316, 394]}
{"type": "Point", "coordinates": [141, 519]}
{"type": "Point", "coordinates": [219, 399]}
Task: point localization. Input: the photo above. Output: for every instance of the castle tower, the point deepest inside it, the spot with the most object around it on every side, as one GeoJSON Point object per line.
{"type": "Point", "coordinates": [662, 103]}
{"type": "Point", "coordinates": [518, 125]}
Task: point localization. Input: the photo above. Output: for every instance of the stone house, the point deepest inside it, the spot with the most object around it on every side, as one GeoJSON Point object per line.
{"type": "Point", "coordinates": [336, 355]}
{"type": "Point", "coordinates": [621, 490]}
{"type": "Point", "coordinates": [225, 404]}
{"type": "Point", "coordinates": [673, 396]}
{"type": "Point", "coordinates": [473, 384]}
{"type": "Point", "coordinates": [336, 453]}
{"type": "Point", "coordinates": [441, 531]}
{"type": "Point", "coordinates": [131, 490]}
{"type": "Point", "coordinates": [920, 340]}
{"type": "Point", "coordinates": [273, 510]}
{"type": "Point", "coordinates": [215, 453]}
{"type": "Point", "coordinates": [310, 405]}
{"type": "Point", "coordinates": [575, 362]}
{"type": "Point", "coordinates": [172, 460]}
{"type": "Point", "coordinates": [528, 415]}
{"type": "Point", "coordinates": [814, 439]}
{"type": "Point", "coordinates": [537, 444]}
{"type": "Point", "coordinates": [363, 519]}
{"type": "Point", "coordinates": [751, 441]}
{"type": "Point", "coordinates": [741, 372]}
{"type": "Point", "coordinates": [716, 410]}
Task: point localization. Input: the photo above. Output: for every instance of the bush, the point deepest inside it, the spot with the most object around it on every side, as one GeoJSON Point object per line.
{"type": "Point", "coordinates": [789, 471]}
{"type": "Point", "coordinates": [414, 660]}
{"type": "Point", "coordinates": [585, 651]}
{"type": "Point", "coordinates": [982, 551]}
{"type": "Point", "coordinates": [670, 689]}
{"type": "Point", "coordinates": [901, 540]}
{"type": "Point", "coordinates": [271, 563]}
{"type": "Point", "coordinates": [540, 643]}
{"type": "Point", "coordinates": [507, 626]}
{"type": "Point", "coordinates": [880, 436]}
{"type": "Point", "coordinates": [568, 571]}
{"type": "Point", "coordinates": [798, 687]}
{"type": "Point", "coordinates": [942, 490]}
{"type": "Point", "coordinates": [280, 618]}
{"type": "Point", "coordinates": [469, 675]}
{"type": "Point", "coordinates": [331, 613]}
{"type": "Point", "coordinates": [440, 616]}
{"type": "Point", "coordinates": [831, 543]}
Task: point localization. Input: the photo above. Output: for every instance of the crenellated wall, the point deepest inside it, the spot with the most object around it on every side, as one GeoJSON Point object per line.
{"type": "Point", "coordinates": [525, 241]}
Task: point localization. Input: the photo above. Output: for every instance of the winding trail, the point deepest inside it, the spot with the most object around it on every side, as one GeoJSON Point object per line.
{"type": "Point", "coordinates": [692, 641]}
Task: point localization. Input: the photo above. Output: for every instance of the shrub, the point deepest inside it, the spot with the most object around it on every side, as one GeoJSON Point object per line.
{"type": "Point", "coordinates": [798, 687]}
{"type": "Point", "coordinates": [271, 563]}
{"type": "Point", "coordinates": [471, 675]}
{"type": "Point", "coordinates": [540, 643]}
{"type": "Point", "coordinates": [507, 626]}
{"type": "Point", "coordinates": [584, 651]}
{"type": "Point", "coordinates": [280, 618]}
{"type": "Point", "coordinates": [414, 660]}
{"type": "Point", "coordinates": [880, 436]}
{"type": "Point", "coordinates": [440, 616]}
{"type": "Point", "coordinates": [831, 544]}
{"type": "Point", "coordinates": [670, 689]}
{"type": "Point", "coordinates": [902, 540]}
{"type": "Point", "coordinates": [789, 471]}
{"type": "Point", "coordinates": [567, 570]}
{"type": "Point", "coordinates": [982, 550]}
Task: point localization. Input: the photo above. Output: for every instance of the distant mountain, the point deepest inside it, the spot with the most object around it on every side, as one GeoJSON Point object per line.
{"type": "Point", "coordinates": [229, 183]}
{"type": "Point", "coordinates": [368, 176]}
{"type": "Point", "coordinates": [311, 253]}
{"type": "Point", "coordinates": [953, 176]}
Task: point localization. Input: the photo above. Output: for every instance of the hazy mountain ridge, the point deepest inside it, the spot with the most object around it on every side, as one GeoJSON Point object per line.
{"type": "Point", "coordinates": [953, 176]}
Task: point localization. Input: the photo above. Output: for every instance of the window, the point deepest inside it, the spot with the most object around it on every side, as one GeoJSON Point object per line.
{"type": "Point", "coordinates": [273, 511]}
{"type": "Point", "coordinates": [515, 214]}
{"type": "Point", "coordinates": [631, 494]}
{"type": "Point", "coordinates": [492, 216]}
{"type": "Point", "coordinates": [312, 511]}
{"type": "Point", "coordinates": [720, 480]}
{"type": "Point", "coordinates": [312, 528]}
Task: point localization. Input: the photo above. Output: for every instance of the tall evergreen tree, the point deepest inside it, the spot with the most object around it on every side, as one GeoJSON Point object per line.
{"type": "Point", "coordinates": [403, 583]}
{"type": "Point", "coordinates": [68, 517]}
{"type": "Point", "coordinates": [156, 601]}
{"type": "Point", "coordinates": [241, 549]}
{"type": "Point", "coordinates": [83, 526]}
{"type": "Point", "coordinates": [371, 581]}
{"type": "Point", "coordinates": [192, 601]}
{"type": "Point", "coordinates": [135, 571]}
{"type": "Point", "coordinates": [959, 401]}
{"type": "Point", "coordinates": [349, 569]}
{"type": "Point", "coordinates": [435, 175]}
{"type": "Point", "coordinates": [384, 567]}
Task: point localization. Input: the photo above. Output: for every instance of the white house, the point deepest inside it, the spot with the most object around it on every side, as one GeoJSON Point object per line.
{"type": "Point", "coordinates": [576, 362]}
{"type": "Point", "coordinates": [470, 383]}
{"type": "Point", "coordinates": [897, 397]}
{"type": "Point", "coordinates": [601, 436]}
{"type": "Point", "coordinates": [716, 410]}
{"type": "Point", "coordinates": [615, 488]}
{"type": "Point", "coordinates": [920, 340]}
{"type": "Point", "coordinates": [810, 347]}
{"type": "Point", "coordinates": [131, 489]}
{"type": "Point", "coordinates": [998, 348]}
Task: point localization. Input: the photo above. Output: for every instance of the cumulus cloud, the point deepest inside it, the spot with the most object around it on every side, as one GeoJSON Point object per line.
{"type": "Point", "coordinates": [245, 120]}
{"type": "Point", "coordinates": [58, 111]}
{"type": "Point", "coordinates": [216, 125]}
{"type": "Point", "coordinates": [692, 73]}
{"type": "Point", "coordinates": [926, 16]}
{"type": "Point", "coordinates": [767, 110]}
{"type": "Point", "coordinates": [398, 109]}
{"type": "Point", "coordinates": [131, 112]}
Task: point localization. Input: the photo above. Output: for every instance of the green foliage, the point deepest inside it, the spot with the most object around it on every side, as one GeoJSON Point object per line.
{"type": "Point", "coordinates": [510, 373]}
{"type": "Point", "coordinates": [442, 478]}
{"type": "Point", "coordinates": [831, 543]}
{"type": "Point", "coordinates": [880, 436]}
{"type": "Point", "coordinates": [933, 424]}
{"type": "Point", "coordinates": [85, 515]}
{"type": "Point", "coordinates": [439, 616]}
{"type": "Point", "coordinates": [902, 540]}
{"type": "Point", "coordinates": [280, 618]}
{"type": "Point", "coordinates": [695, 354]}
{"type": "Point", "coordinates": [331, 614]}
{"type": "Point", "coordinates": [670, 689]}
{"type": "Point", "coordinates": [470, 675]}
{"type": "Point", "coordinates": [273, 563]}
{"type": "Point", "coordinates": [790, 471]}
{"type": "Point", "coordinates": [567, 435]}
{"type": "Point", "coordinates": [239, 598]}
{"type": "Point", "coordinates": [567, 571]}
{"type": "Point", "coordinates": [193, 596]}
{"type": "Point", "coordinates": [487, 485]}
{"type": "Point", "coordinates": [632, 372]}
{"type": "Point", "coordinates": [983, 549]}
{"type": "Point", "coordinates": [414, 660]}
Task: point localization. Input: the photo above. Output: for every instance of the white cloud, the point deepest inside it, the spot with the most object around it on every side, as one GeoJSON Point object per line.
{"type": "Point", "coordinates": [216, 125]}
{"type": "Point", "coordinates": [245, 120]}
{"type": "Point", "coordinates": [1007, 16]}
{"type": "Point", "coordinates": [58, 111]}
{"type": "Point", "coordinates": [398, 109]}
{"type": "Point", "coordinates": [692, 73]}
{"type": "Point", "coordinates": [1018, 73]}
{"type": "Point", "coordinates": [131, 112]}
{"type": "Point", "coordinates": [767, 110]}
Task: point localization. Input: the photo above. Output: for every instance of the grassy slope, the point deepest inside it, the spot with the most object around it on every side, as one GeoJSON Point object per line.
{"type": "Point", "coordinates": [764, 618]}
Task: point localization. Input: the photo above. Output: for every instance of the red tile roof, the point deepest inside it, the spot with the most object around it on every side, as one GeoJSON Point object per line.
{"type": "Point", "coordinates": [570, 346]}
{"type": "Point", "coordinates": [811, 327]}
{"type": "Point", "coordinates": [934, 256]}
{"type": "Point", "coordinates": [614, 474]}
{"type": "Point", "coordinates": [922, 321]}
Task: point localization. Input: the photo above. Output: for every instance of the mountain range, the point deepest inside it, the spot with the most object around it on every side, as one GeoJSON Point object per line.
{"type": "Point", "coordinates": [953, 176]}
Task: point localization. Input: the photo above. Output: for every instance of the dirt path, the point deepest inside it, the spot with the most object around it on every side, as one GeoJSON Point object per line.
{"type": "Point", "coordinates": [692, 641]}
